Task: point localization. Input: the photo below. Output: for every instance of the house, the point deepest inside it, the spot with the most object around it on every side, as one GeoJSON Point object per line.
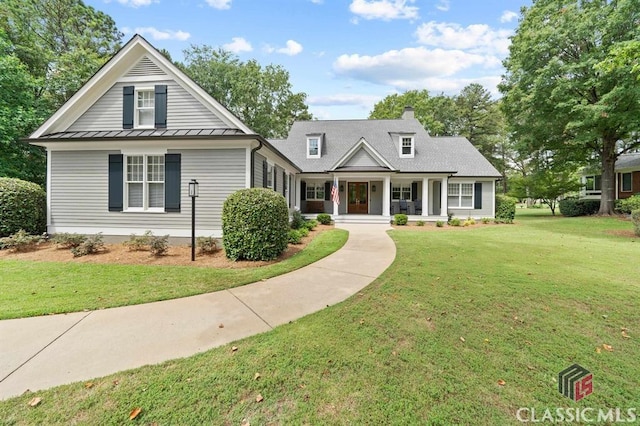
{"type": "Point", "coordinates": [627, 169]}
{"type": "Point", "coordinates": [122, 150]}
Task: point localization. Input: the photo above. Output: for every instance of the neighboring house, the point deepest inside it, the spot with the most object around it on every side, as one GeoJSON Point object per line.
{"type": "Point", "coordinates": [627, 170]}
{"type": "Point", "coordinates": [383, 167]}
{"type": "Point", "coordinates": [122, 150]}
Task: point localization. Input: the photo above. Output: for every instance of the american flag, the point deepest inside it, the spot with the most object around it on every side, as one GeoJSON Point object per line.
{"type": "Point", "coordinates": [335, 195]}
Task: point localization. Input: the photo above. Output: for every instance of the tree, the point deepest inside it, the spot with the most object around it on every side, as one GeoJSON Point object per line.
{"type": "Point", "coordinates": [62, 42]}
{"type": "Point", "coordinates": [549, 181]}
{"type": "Point", "coordinates": [557, 99]}
{"type": "Point", "coordinates": [18, 116]}
{"type": "Point", "coordinates": [261, 97]}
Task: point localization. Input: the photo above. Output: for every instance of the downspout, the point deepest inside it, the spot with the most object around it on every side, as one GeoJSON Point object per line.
{"type": "Point", "coordinates": [253, 161]}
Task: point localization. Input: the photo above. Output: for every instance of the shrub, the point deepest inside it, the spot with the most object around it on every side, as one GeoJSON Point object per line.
{"type": "Point", "coordinates": [485, 220]}
{"type": "Point", "coordinates": [139, 243]}
{"type": "Point", "coordinates": [439, 223]}
{"type": "Point", "coordinates": [635, 218]}
{"type": "Point", "coordinates": [455, 221]}
{"type": "Point", "coordinates": [20, 241]}
{"type": "Point", "coordinates": [23, 205]}
{"type": "Point", "coordinates": [92, 244]}
{"type": "Point", "coordinates": [468, 222]}
{"type": "Point", "coordinates": [571, 207]}
{"type": "Point", "coordinates": [627, 205]}
{"type": "Point", "coordinates": [295, 237]}
{"type": "Point", "coordinates": [505, 208]}
{"type": "Point", "coordinates": [401, 219]}
{"type": "Point", "coordinates": [297, 220]}
{"type": "Point", "coordinates": [324, 218]}
{"type": "Point", "coordinates": [255, 224]}
{"type": "Point", "coordinates": [66, 240]}
{"type": "Point", "coordinates": [304, 232]}
{"type": "Point", "coordinates": [158, 246]}
{"type": "Point", "coordinates": [207, 245]}
{"type": "Point", "coordinates": [310, 224]}
{"type": "Point", "coordinates": [420, 223]}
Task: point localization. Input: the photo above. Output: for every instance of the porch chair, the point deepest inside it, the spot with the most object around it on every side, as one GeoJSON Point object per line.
{"type": "Point", "coordinates": [418, 206]}
{"type": "Point", "coordinates": [403, 206]}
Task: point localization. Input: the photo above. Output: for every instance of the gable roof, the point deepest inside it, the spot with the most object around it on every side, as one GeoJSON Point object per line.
{"type": "Point", "coordinates": [125, 61]}
{"type": "Point", "coordinates": [362, 156]}
{"type": "Point", "coordinates": [451, 155]}
{"type": "Point", "coordinates": [628, 161]}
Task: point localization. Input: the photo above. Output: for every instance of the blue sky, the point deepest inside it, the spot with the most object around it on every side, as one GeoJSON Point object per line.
{"type": "Point", "coordinates": [344, 54]}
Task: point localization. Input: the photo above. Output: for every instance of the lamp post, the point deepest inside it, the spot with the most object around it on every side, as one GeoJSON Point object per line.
{"type": "Point", "coordinates": [193, 193]}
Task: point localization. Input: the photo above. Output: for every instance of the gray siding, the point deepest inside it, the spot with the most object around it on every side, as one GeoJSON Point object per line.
{"type": "Point", "coordinates": [79, 190]}
{"type": "Point", "coordinates": [183, 110]}
{"type": "Point", "coordinates": [362, 159]}
{"type": "Point", "coordinates": [487, 203]}
{"type": "Point", "coordinates": [375, 201]}
{"type": "Point", "coordinates": [257, 170]}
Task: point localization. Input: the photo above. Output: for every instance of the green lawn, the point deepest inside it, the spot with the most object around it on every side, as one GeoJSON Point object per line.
{"type": "Point", "coordinates": [458, 312]}
{"type": "Point", "coordinates": [38, 288]}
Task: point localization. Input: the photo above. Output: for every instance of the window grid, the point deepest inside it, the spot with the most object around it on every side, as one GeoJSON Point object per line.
{"type": "Point", "coordinates": [145, 108]}
{"type": "Point", "coordinates": [407, 145]}
{"type": "Point", "coordinates": [460, 195]}
{"type": "Point", "coordinates": [315, 191]}
{"type": "Point", "coordinates": [314, 147]}
{"type": "Point", "coordinates": [401, 192]}
{"type": "Point", "coordinates": [145, 190]}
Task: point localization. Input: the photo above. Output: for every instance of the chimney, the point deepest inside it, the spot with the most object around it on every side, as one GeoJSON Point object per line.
{"type": "Point", "coordinates": [408, 114]}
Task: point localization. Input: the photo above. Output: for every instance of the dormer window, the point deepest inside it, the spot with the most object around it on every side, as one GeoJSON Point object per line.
{"type": "Point", "coordinates": [407, 146]}
{"type": "Point", "coordinates": [314, 146]}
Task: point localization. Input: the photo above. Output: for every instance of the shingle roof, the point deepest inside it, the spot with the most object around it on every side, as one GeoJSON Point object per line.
{"type": "Point", "coordinates": [432, 154]}
{"type": "Point", "coordinates": [628, 161]}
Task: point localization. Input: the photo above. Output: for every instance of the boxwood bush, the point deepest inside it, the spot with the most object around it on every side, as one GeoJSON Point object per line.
{"type": "Point", "coordinates": [255, 224]}
{"type": "Point", "coordinates": [571, 207]}
{"type": "Point", "coordinates": [400, 219]}
{"type": "Point", "coordinates": [23, 205]}
{"type": "Point", "coordinates": [324, 218]}
{"type": "Point", "coordinates": [505, 208]}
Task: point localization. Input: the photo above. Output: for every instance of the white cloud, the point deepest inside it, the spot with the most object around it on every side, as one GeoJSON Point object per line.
{"type": "Point", "coordinates": [157, 34]}
{"type": "Point", "coordinates": [136, 3]}
{"type": "Point", "coordinates": [317, 1]}
{"type": "Point", "coordinates": [238, 45]}
{"type": "Point", "coordinates": [385, 10]}
{"type": "Point", "coordinates": [292, 48]}
{"type": "Point", "coordinates": [476, 38]}
{"type": "Point", "coordinates": [410, 67]}
{"type": "Point", "coordinates": [443, 6]}
{"type": "Point", "coordinates": [508, 16]}
{"type": "Point", "coordinates": [341, 99]}
{"type": "Point", "coordinates": [219, 4]}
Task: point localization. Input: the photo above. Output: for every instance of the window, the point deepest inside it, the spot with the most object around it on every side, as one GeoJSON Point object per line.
{"type": "Point", "coordinates": [401, 192]}
{"type": "Point", "coordinates": [460, 195]}
{"type": "Point", "coordinates": [626, 182]}
{"type": "Point", "coordinates": [270, 171]}
{"type": "Point", "coordinates": [314, 148]}
{"type": "Point", "coordinates": [593, 184]}
{"type": "Point", "coordinates": [145, 108]}
{"type": "Point", "coordinates": [315, 191]}
{"type": "Point", "coordinates": [406, 147]}
{"type": "Point", "coordinates": [145, 182]}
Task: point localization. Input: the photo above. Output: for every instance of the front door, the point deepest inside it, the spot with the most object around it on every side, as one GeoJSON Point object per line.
{"type": "Point", "coordinates": [358, 198]}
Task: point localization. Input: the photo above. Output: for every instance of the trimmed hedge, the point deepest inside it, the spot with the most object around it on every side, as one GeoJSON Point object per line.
{"type": "Point", "coordinates": [572, 207]}
{"type": "Point", "coordinates": [505, 208]}
{"type": "Point", "coordinates": [324, 218]}
{"type": "Point", "coordinates": [400, 219]}
{"type": "Point", "coordinates": [255, 224]}
{"type": "Point", "coordinates": [635, 218]}
{"type": "Point", "coordinates": [23, 205]}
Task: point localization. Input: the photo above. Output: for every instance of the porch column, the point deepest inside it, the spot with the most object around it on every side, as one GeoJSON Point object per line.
{"type": "Point", "coordinates": [493, 202]}
{"type": "Point", "coordinates": [444, 196]}
{"type": "Point", "coordinates": [425, 197]}
{"type": "Point", "coordinates": [297, 199]}
{"type": "Point", "coordinates": [335, 205]}
{"type": "Point", "coordinates": [386, 197]}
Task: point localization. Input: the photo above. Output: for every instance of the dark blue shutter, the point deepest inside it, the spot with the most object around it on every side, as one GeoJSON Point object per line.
{"type": "Point", "coordinates": [172, 182]}
{"type": "Point", "coordinates": [265, 169]}
{"type": "Point", "coordinates": [275, 176]}
{"type": "Point", "coordinates": [303, 190]}
{"type": "Point", "coordinates": [477, 188]}
{"type": "Point", "coordinates": [284, 183]}
{"type": "Point", "coordinates": [161, 106]}
{"type": "Point", "coordinates": [327, 191]}
{"type": "Point", "coordinates": [116, 182]}
{"type": "Point", "coordinates": [414, 191]}
{"type": "Point", "coordinates": [127, 106]}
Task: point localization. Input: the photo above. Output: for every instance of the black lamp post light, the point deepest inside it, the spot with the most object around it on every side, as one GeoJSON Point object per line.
{"type": "Point", "coordinates": [194, 191]}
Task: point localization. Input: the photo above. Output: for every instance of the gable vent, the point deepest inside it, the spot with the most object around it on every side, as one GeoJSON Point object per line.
{"type": "Point", "coordinates": [145, 67]}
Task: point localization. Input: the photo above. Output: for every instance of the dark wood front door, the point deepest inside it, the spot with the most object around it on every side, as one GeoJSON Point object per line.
{"type": "Point", "coordinates": [358, 198]}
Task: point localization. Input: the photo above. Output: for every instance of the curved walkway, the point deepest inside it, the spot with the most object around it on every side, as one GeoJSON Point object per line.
{"type": "Point", "coordinates": [41, 352]}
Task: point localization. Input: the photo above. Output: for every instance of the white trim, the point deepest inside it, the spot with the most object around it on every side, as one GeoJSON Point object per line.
{"type": "Point", "coordinates": [247, 168]}
{"type": "Point", "coordinates": [386, 197]}
{"type": "Point", "coordinates": [136, 109]}
{"type": "Point", "coordinates": [105, 230]}
{"type": "Point", "coordinates": [493, 201]}
{"type": "Point", "coordinates": [425, 197]}
{"type": "Point", "coordinates": [401, 138]}
{"type": "Point", "coordinates": [473, 194]}
{"type": "Point", "coordinates": [143, 151]}
{"type": "Point", "coordinates": [362, 143]}
{"type": "Point", "coordinates": [151, 143]}
{"type": "Point", "coordinates": [319, 139]}
{"type": "Point", "coordinates": [48, 187]}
